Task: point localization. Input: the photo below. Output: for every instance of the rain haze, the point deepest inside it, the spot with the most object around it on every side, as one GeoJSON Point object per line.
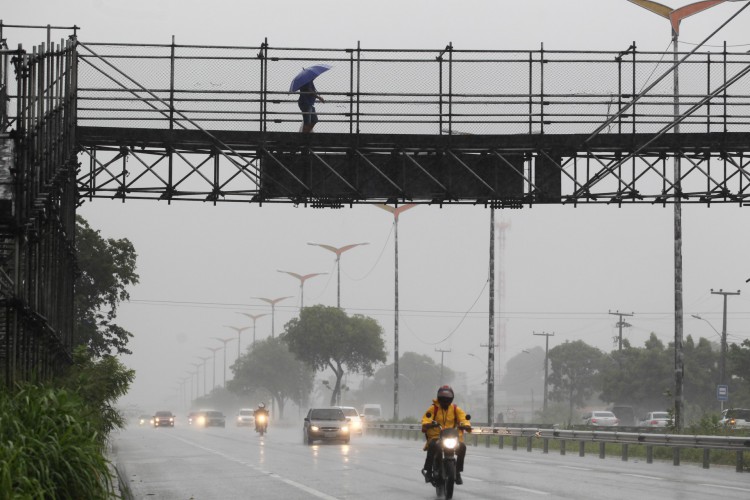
{"type": "Point", "coordinates": [564, 268]}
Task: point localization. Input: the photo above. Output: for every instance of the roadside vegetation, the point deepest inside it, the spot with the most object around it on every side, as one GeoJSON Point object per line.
{"type": "Point", "coordinates": [53, 433]}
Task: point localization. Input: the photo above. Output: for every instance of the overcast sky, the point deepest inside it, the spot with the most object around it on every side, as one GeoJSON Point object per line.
{"type": "Point", "coordinates": [564, 267]}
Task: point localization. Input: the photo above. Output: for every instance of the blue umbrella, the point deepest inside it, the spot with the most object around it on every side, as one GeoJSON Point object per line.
{"type": "Point", "coordinates": [307, 75]}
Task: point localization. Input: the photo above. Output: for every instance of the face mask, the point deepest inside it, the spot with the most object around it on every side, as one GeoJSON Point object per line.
{"type": "Point", "coordinates": [444, 404]}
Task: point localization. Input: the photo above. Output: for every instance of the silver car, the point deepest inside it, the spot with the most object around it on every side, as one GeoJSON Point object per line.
{"type": "Point", "coordinates": [655, 419]}
{"type": "Point", "coordinates": [601, 418]}
{"type": "Point", "coordinates": [325, 424]}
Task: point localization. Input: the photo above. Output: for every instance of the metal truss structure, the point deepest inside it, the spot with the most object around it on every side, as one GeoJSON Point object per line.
{"type": "Point", "coordinates": [37, 211]}
{"type": "Point", "coordinates": [503, 129]}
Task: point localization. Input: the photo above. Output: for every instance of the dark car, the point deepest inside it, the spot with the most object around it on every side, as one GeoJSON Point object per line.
{"type": "Point", "coordinates": [145, 420]}
{"type": "Point", "coordinates": [163, 419]}
{"type": "Point", "coordinates": [210, 418]}
{"type": "Point", "coordinates": [325, 424]}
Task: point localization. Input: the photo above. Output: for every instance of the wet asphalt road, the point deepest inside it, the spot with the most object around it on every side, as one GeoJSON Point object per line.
{"type": "Point", "coordinates": [234, 463]}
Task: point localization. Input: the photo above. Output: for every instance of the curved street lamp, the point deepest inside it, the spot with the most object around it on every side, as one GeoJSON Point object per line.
{"type": "Point", "coordinates": [302, 278]}
{"type": "Point", "coordinates": [273, 303]}
{"type": "Point", "coordinates": [239, 330]}
{"type": "Point", "coordinates": [675, 17]}
{"type": "Point", "coordinates": [396, 211]}
{"type": "Point", "coordinates": [213, 351]}
{"type": "Point", "coordinates": [254, 317]}
{"type": "Point", "coordinates": [338, 251]}
{"type": "Point", "coordinates": [225, 342]}
{"type": "Point", "coordinates": [205, 362]}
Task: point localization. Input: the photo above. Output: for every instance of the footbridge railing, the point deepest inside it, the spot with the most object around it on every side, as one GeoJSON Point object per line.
{"type": "Point", "coordinates": [428, 91]}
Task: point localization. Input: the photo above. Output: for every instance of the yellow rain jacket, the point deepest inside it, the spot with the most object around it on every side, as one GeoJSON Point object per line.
{"type": "Point", "coordinates": [452, 417]}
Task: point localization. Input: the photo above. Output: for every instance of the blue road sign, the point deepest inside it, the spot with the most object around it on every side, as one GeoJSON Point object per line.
{"type": "Point", "coordinates": [722, 392]}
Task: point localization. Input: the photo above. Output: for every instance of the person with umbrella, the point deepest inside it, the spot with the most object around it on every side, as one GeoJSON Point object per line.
{"type": "Point", "coordinates": [308, 94]}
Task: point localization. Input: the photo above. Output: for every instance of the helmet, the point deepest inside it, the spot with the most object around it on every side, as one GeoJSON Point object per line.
{"type": "Point", "coordinates": [445, 395]}
{"type": "Point", "coordinates": [262, 405]}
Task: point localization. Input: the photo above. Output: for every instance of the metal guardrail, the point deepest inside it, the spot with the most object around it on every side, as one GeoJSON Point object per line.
{"type": "Point", "coordinates": [650, 440]}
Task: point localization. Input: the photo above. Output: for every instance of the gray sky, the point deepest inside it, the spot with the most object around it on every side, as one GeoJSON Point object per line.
{"type": "Point", "coordinates": [565, 267]}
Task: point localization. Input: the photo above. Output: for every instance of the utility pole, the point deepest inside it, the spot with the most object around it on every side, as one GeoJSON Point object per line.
{"type": "Point", "coordinates": [442, 352]}
{"type": "Point", "coordinates": [491, 342]}
{"type": "Point", "coordinates": [723, 362]}
{"type": "Point", "coordinates": [620, 324]}
{"type": "Point", "coordinates": [546, 365]}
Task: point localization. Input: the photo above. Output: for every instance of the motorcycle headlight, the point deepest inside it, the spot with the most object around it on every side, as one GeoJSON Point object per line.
{"type": "Point", "coordinates": [450, 443]}
{"type": "Point", "coordinates": [314, 428]}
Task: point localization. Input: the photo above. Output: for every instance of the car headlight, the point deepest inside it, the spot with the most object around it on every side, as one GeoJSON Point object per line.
{"type": "Point", "coordinates": [171, 419]}
{"type": "Point", "coordinates": [344, 428]}
{"type": "Point", "coordinates": [314, 428]}
{"type": "Point", "coordinates": [202, 420]}
{"type": "Point", "coordinates": [450, 443]}
{"type": "Point", "coordinates": [356, 424]}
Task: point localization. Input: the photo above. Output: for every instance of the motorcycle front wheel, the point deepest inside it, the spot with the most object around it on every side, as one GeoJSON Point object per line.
{"type": "Point", "coordinates": [450, 478]}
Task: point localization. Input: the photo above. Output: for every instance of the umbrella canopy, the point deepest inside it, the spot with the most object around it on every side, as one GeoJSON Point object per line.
{"type": "Point", "coordinates": [307, 75]}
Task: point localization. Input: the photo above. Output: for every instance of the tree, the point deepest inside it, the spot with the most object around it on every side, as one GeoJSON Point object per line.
{"type": "Point", "coordinates": [640, 377]}
{"type": "Point", "coordinates": [418, 384]}
{"type": "Point", "coordinates": [107, 267]}
{"type": "Point", "coordinates": [271, 367]}
{"type": "Point", "coordinates": [524, 372]}
{"type": "Point", "coordinates": [738, 367]}
{"type": "Point", "coordinates": [574, 373]}
{"type": "Point", "coordinates": [326, 337]}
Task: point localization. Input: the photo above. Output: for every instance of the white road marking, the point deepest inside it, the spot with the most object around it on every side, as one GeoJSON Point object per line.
{"type": "Point", "coordinates": [306, 489]}
{"type": "Point", "coordinates": [527, 490]}
{"type": "Point", "coordinates": [645, 477]}
{"type": "Point", "coordinates": [573, 468]}
{"type": "Point", "coordinates": [522, 461]}
{"type": "Point", "coordinates": [476, 480]}
{"type": "Point", "coordinates": [725, 487]}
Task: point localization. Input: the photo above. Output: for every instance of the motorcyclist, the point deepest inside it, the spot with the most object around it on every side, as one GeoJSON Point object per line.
{"type": "Point", "coordinates": [261, 411]}
{"type": "Point", "coordinates": [446, 414]}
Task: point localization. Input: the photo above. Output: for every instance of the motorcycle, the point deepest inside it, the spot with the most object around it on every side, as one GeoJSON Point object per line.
{"type": "Point", "coordinates": [444, 463]}
{"type": "Point", "coordinates": [261, 423]}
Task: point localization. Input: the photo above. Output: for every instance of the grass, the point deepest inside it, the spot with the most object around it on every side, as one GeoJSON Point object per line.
{"type": "Point", "coordinates": [50, 447]}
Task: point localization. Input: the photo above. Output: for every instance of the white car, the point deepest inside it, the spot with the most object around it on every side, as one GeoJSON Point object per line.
{"type": "Point", "coordinates": [353, 416]}
{"type": "Point", "coordinates": [245, 417]}
{"type": "Point", "coordinates": [600, 418]}
{"type": "Point", "coordinates": [734, 418]}
{"type": "Point", "coordinates": [655, 419]}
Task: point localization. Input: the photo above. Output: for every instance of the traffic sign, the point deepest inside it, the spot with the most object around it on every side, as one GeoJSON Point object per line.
{"type": "Point", "coordinates": [722, 392]}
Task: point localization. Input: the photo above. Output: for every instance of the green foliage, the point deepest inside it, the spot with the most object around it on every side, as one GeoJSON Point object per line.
{"type": "Point", "coordinates": [107, 267]}
{"type": "Point", "coordinates": [574, 373]}
{"type": "Point", "coordinates": [99, 383]}
{"type": "Point", "coordinates": [418, 384]}
{"type": "Point", "coordinates": [326, 337]}
{"type": "Point", "coordinates": [738, 366]}
{"type": "Point", "coordinates": [271, 367]}
{"type": "Point", "coordinates": [50, 447]}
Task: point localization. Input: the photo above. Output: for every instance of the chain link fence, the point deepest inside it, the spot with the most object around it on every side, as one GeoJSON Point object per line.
{"type": "Point", "coordinates": [441, 91]}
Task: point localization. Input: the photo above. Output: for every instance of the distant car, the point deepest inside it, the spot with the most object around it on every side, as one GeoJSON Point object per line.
{"type": "Point", "coordinates": [145, 420]}
{"type": "Point", "coordinates": [372, 412]}
{"type": "Point", "coordinates": [655, 419]}
{"type": "Point", "coordinates": [325, 424]}
{"type": "Point", "coordinates": [210, 418]}
{"type": "Point", "coordinates": [600, 418]}
{"type": "Point", "coordinates": [245, 417]}
{"type": "Point", "coordinates": [355, 420]}
{"type": "Point", "coordinates": [191, 416]}
{"type": "Point", "coordinates": [163, 419]}
{"type": "Point", "coordinates": [735, 418]}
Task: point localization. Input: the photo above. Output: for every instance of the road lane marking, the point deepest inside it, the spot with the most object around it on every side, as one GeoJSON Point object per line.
{"type": "Point", "coordinates": [573, 468]}
{"type": "Point", "coordinates": [641, 476]}
{"type": "Point", "coordinates": [522, 461]}
{"type": "Point", "coordinates": [725, 487]}
{"type": "Point", "coordinates": [527, 490]}
{"type": "Point", "coordinates": [299, 486]}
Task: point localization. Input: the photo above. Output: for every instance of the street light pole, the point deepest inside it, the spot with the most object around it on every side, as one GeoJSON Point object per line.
{"type": "Point", "coordinates": [338, 251]}
{"type": "Point", "coordinates": [213, 351]}
{"type": "Point", "coordinates": [205, 362]}
{"type": "Point", "coordinates": [442, 353]}
{"type": "Point", "coordinates": [546, 366]}
{"type": "Point", "coordinates": [273, 303]}
{"type": "Point", "coordinates": [225, 342]}
{"type": "Point", "coordinates": [723, 366]}
{"type": "Point", "coordinates": [675, 17]}
{"type": "Point", "coordinates": [621, 324]}
{"type": "Point", "coordinates": [302, 278]}
{"type": "Point", "coordinates": [396, 211]}
{"type": "Point", "coordinates": [254, 317]}
{"type": "Point", "coordinates": [239, 330]}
